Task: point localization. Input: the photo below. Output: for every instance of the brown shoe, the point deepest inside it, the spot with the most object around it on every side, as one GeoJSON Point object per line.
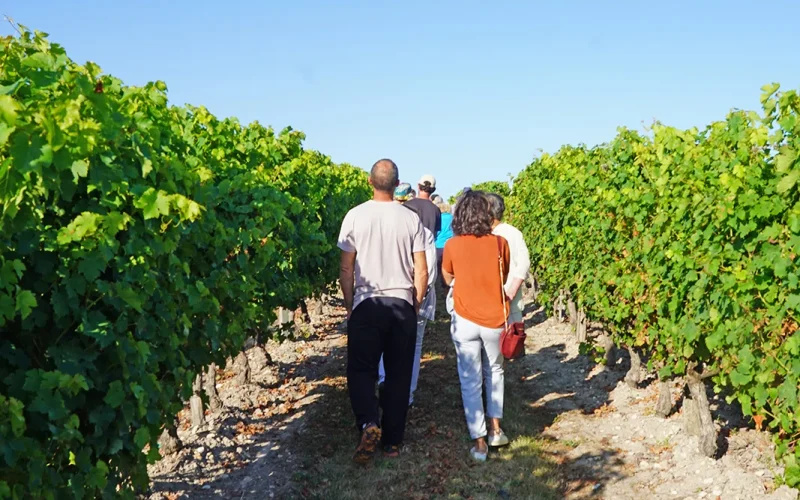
{"type": "Point", "coordinates": [391, 451]}
{"type": "Point", "coordinates": [370, 438]}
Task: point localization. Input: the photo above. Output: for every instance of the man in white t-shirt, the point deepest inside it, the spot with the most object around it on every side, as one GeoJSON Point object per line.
{"type": "Point", "coordinates": [384, 277]}
{"type": "Point", "coordinates": [427, 309]}
{"type": "Point", "coordinates": [520, 258]}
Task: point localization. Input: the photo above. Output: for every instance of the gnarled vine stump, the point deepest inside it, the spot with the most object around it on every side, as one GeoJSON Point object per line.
{"type": "Point", "coordinates": [634, 375]}
{"type": "Point", "coordinates": [604, 340]}
{"type": "Point", "coordinates": [241, 366]}
{"type": "Point", "coordinates": [707, 444]}
{"type": "Point", "coordinates": [664, 404]}
{"type": "Point", "coordinates": [210, 388]}
{"type": "Point", "coordinates": [169, 442]}
{"type": "Point", "coordinates": [581, 325]}
{"type": "Point", "coordinates": [572, 311]}
{"type": "Point", "coordinates": [196, 403]}
{"type": "Point", "coordinates": [559, 306]}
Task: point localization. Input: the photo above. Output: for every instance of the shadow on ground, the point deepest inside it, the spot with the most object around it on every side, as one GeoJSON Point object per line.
{"type": "Point", "coordinates": [305, 451]}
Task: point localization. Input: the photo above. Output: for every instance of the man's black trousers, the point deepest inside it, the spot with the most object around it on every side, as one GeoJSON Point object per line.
{"type": "Point", "coordinates": [388, 326]}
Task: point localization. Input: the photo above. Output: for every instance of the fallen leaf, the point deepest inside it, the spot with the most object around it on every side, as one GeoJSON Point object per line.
{"type": "Point", "coordinates": [759, 420]}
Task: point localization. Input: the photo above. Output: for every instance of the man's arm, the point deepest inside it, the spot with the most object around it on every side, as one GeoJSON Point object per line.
{"type": "Point", "coordinates": [347, 279]}
{"type": "Point", "coordinates": [420, 278]}
{"type": "Point", "coordinates": [512, 287]}
{"type": "Point", "coordinates": [521, 260]}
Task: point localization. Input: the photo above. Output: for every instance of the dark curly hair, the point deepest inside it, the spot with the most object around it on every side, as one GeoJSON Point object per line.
{"type": "Point", "coordinates": [472, 215]}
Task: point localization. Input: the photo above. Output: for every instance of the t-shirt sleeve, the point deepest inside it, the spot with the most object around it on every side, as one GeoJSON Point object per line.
{"type": "Point", "coordinates": [438, 220]}
{"type": "Point", "coordinates": [447, 258]}
{"type": "Point", "coordinates": [347, 241]}
{"type": "Point", "coordinates": [521, 258]}
{"type": "Point", "coordinates": [419, 243]}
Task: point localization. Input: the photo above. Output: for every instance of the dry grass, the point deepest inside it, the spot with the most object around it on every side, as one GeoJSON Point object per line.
{"type": "Point", "coordinates": [434, 462]}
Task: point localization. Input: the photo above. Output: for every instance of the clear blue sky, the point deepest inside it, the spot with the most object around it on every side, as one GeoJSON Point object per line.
{"type": "Point", "coordinates": [463, 90]}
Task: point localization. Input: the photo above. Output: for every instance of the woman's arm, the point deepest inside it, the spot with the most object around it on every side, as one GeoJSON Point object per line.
{"type": "Point", "coordinates": [448, 278]}
{"type": "Point", "coordinates": [506, 259]}
{"type": "Point", "coordinates": [448, 273]}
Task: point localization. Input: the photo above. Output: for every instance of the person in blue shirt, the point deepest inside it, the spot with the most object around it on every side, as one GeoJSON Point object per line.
{"type": "Point", "coordinates": [441, 238]}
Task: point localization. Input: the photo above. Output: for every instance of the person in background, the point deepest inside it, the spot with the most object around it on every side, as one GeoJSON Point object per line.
{"type": "Point", "coordinates": [445, 234]}
{"type": "Point", "coordinates": [384, 277]}
{"type": "Point", "coordinates": [520, 258]}
{"type": "Point", "coordinates": [429, 214]}
{"type": "Point", "coordinates": [427, 309]}
{"type": "Point", "coordinates": [412, 194]}
{"type": "Point", "coordinates": [473, 256]}
{"type": "Point", "coordinates": [437, 200]}
{"type": "Point", "coordinates": [448, 301]}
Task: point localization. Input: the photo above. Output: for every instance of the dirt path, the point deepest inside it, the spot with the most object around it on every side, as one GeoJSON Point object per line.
{"type": "Point", "coordinates": [578, 431]}
{"type": "Point", "coordinates": [246, 449]}
{"type": "Point", "coordinates": [621, 449]}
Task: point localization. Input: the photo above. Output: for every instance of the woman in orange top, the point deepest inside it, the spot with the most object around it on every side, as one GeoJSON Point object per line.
{"type": "Point", "coordinates": [473, 256]}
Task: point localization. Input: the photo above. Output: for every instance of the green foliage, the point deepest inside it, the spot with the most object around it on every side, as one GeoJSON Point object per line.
{"type": "Point", "coordinates": [595, 352]}
{"type": "Point", "coordinates": [498, 187]}
{"type": "Point", "coordinates": [685, 244]}
{"type": "Point", "coordinates": [139, 242]}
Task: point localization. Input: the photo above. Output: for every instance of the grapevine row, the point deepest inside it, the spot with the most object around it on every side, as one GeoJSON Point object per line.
{"type": "Point", "coordinates": [139, 243]}
{"type": "Point", "coordinates": [684, 244]}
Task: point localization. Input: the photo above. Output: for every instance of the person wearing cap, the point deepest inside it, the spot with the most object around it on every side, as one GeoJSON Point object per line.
{"type": "Point", "coordinates": [403, 193]}
{"type": "Point", "coordinates": [427, 309]}
{"type": "Point", "coordinates": [429, 214]}
{"type": "Point", "coordinates": [384, 277]}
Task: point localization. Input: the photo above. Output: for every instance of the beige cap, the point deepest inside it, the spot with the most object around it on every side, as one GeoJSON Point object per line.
{"type": "Point", "coordinates": [428, 179]}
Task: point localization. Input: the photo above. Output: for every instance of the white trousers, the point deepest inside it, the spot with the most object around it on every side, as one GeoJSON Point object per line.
{"type": "Point", "coordinates": [421, 323]}
{"type": "Point", "coordinates": [479, 361]}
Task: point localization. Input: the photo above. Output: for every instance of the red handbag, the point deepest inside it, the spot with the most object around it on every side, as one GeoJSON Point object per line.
{"type": "Point", "coordinates": [512, 340]}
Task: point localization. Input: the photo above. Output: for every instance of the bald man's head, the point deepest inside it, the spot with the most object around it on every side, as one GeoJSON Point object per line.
{"type": "Point", "coordinates": [384, 176]}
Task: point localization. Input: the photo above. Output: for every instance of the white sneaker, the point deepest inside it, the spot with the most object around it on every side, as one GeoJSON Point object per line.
{"type": "Point", "coordinates": [499, 439]}
{"type": "Point", "coordinates": [480, 457]}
